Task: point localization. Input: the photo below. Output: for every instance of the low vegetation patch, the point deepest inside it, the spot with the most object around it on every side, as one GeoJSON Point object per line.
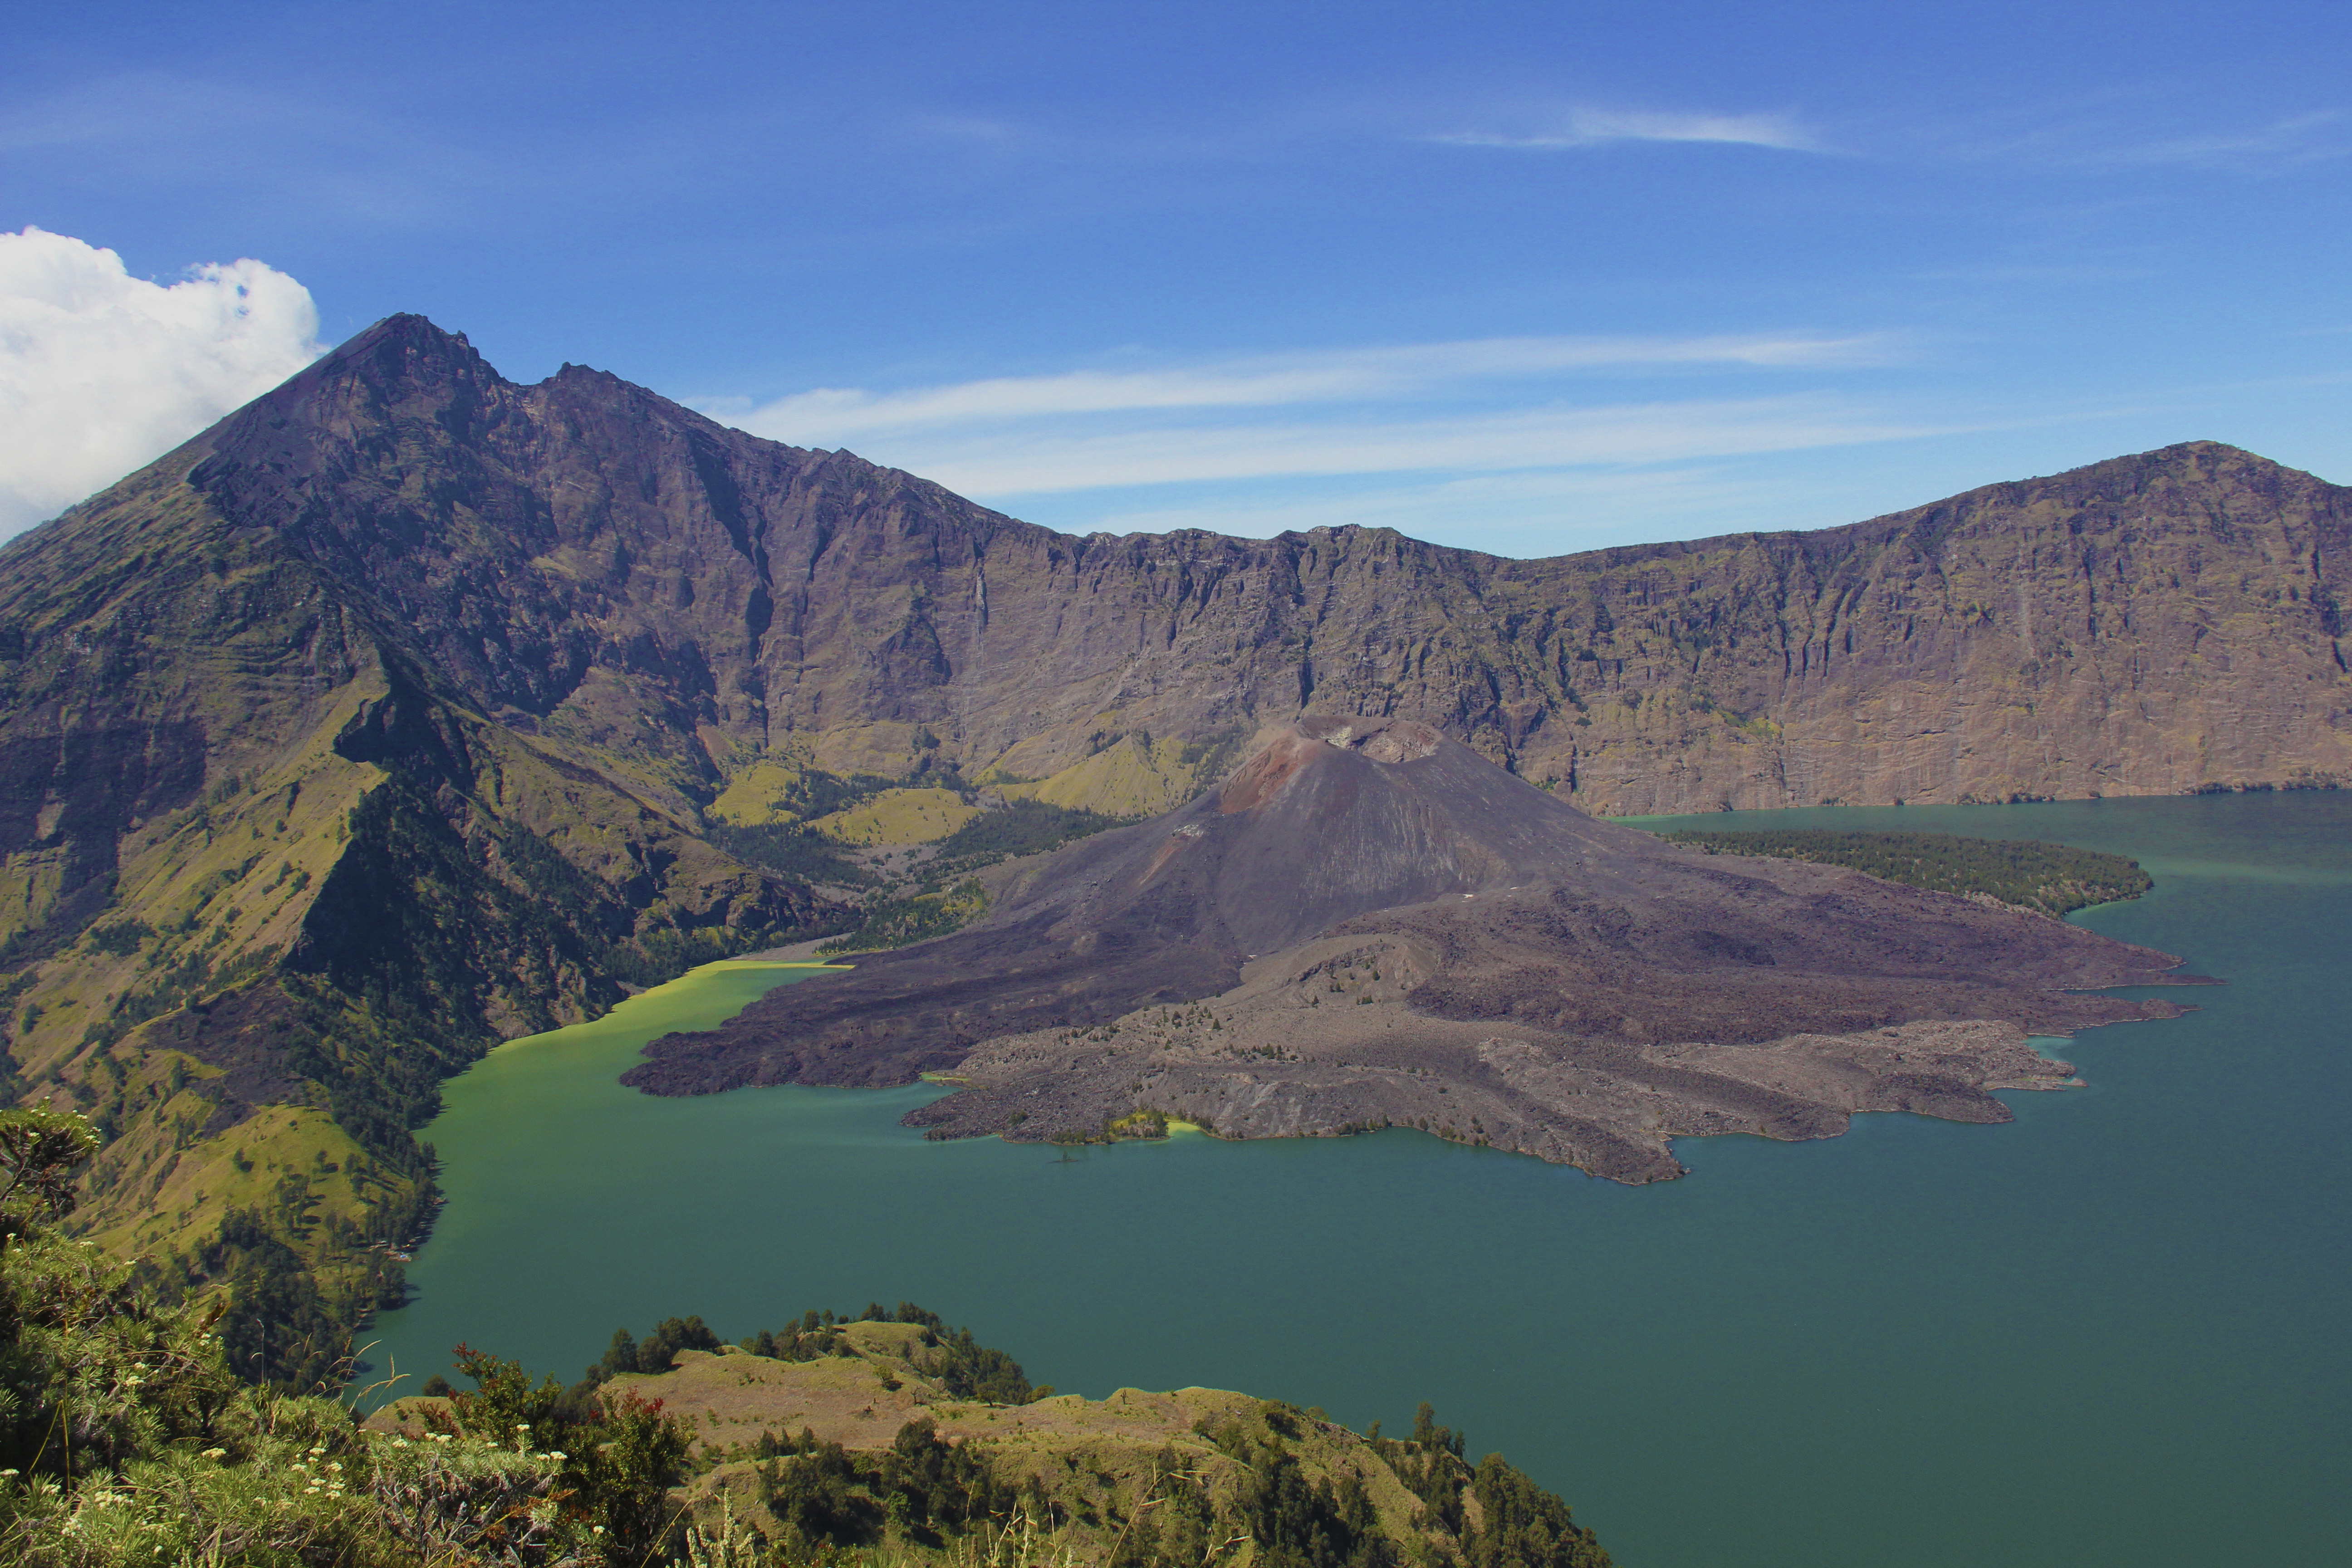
{"type": "Point", "coordinates": [895, 923]}
{"type": "Point", "coordinates": [965, 1367]}
{"type": "Point", "coordinates": [2048, 878]}
{"type": "Point", "coordinates": [791, 849]}
{"type": "Point", "coordinates": [949, 896]}
{"type": "Point", "coordinates": [1139, 1123]}
{"type": "Point", "coordinates": [1022, 828]}
{"type": "Point", "coordinates": [811, 826]}
{"type": "Point", "coordinates": [897, 816]}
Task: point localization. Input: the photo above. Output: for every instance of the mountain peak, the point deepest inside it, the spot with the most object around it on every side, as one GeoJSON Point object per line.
{"type": "Point", "coordinates": [405, 346]}
{"type": "Point", "coordinates": [412, 332]}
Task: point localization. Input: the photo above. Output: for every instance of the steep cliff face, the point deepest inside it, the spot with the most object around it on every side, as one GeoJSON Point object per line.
{"type": "Point", "coordinates": [2152, 624]}
{"type": "Point", "coordinates": [603, 569]}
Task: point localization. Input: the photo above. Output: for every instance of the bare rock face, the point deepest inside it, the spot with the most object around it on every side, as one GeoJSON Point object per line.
{"type": "Point", "coordinates": [1323, 1043]}
{"type": "Point", "coordinates": [590, 562]}
{"type": "Point", "coordinates": [1369, 924]}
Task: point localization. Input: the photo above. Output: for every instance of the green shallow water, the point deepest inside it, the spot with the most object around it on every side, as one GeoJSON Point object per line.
{"type": "Point", "coordinates": [2111, 1332]}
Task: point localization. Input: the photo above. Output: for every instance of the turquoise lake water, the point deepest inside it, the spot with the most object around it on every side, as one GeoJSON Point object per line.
{"type": "Point", "coordinates": [2112, 1332]}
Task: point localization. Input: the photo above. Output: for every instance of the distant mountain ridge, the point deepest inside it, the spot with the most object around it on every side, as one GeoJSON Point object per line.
{"type": "Point", "coordinates": [581, 553]}
{"type": "Point", "coordinates": [389, 717]}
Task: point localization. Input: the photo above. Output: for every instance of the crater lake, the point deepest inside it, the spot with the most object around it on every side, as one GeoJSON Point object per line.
{"type": "Point", "coordinates": [2111, 1332]}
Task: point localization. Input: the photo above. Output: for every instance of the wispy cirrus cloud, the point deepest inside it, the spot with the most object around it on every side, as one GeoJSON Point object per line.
{"type": "Point", "coordinates": [2118, 130]}
{"type": "Point", "coordinates": [1003, 463]}
{"type": "Point", "coordinates": [1589, 127]}
{"type": "Point", "coordinates": [1264, 380]}
{"type": "Point", "coordinates": [1403, 433]}
{"type": "Point", "coordinates": [2286, 143]}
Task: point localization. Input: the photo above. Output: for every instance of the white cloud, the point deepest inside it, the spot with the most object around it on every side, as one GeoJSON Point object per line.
{"type": "Point", "coordinates": [1406, 420]}
{"type": "Point", "coordinates": [1595, 127]}
{"type": "Point", "coordinates": [831, 415]}
{"type": "Point", "coordinates": [1008, 464]}
{"type": "Point", "coordinates": [102, 372]}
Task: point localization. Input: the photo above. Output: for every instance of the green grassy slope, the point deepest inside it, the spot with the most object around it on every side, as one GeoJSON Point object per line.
{"type": "Point", "coordinates": [265, 881]}
{"type": "Point", "coordinates": [895, 1440]}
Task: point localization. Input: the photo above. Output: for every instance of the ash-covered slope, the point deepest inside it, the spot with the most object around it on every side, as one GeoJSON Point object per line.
{"type": "Point", "coordinates": [1333, 818]}
{"type": "Point", "coordinates": [1474, 909]}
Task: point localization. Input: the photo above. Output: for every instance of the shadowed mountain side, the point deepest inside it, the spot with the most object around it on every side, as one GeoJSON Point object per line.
{"type": "Point", "coordinates": [1496, 905]}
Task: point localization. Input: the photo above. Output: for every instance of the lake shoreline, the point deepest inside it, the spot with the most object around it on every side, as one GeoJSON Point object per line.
{"type": "Point", "coordinates": [1704, 1334]}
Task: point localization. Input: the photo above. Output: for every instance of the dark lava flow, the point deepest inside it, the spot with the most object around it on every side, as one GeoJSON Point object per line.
{"type": "Point", "coordinates": [1587, 941]}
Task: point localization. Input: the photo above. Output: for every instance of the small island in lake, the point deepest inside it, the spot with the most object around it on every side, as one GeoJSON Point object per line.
{"type": "Point", "coordinates": [1370, 925]}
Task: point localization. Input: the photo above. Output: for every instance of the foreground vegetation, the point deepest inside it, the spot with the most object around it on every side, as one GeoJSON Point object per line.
{"type": "Point", "coordinates": [2048, 878]}
{"type": "Point", "coordinates": [127, 1438]}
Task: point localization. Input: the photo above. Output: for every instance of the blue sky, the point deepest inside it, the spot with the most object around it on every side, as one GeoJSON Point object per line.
{"type": "Point", "coordinates": [1527, 278]}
